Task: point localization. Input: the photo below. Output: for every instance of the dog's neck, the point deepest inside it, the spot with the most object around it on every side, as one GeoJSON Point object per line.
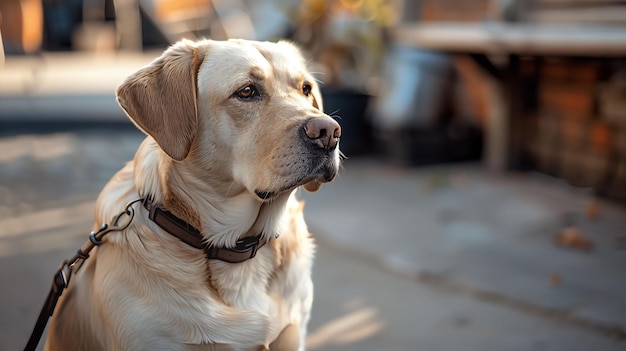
{"type": "Point", "coordinates": [222, 211]}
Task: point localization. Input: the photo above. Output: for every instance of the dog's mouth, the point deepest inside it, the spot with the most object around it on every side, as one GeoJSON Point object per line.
{"type": "Point", "coordinates": [312, 180]}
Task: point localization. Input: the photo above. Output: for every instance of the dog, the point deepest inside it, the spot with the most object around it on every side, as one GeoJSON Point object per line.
{"type": "Point", "coordinates": [233, 129]}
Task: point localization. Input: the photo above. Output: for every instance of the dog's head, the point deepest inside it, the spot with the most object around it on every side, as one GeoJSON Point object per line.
{"type": "Point", "coordinates": [247, 112]}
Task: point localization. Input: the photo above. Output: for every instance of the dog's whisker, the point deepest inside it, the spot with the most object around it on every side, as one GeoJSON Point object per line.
{"type": "Point", "coordinates": [334, 114]}
{"type": "Point", "coordinates": [342, 157]}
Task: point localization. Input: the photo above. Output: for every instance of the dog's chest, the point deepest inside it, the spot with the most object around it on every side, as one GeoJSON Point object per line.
{"type": "Point", "coordinates": [275, 283]}
{"type": "Point", "coordinates": [243, 285]}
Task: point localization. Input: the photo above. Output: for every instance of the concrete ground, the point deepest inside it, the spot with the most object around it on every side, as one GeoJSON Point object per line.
{"type": "Point", "coordinates": [436, 258]}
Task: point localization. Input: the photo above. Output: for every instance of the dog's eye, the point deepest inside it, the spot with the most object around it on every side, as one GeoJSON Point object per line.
{"type": "Point", "coordinates": [248, 92]}
{"type": "Point", "coordinates": [306, 89]}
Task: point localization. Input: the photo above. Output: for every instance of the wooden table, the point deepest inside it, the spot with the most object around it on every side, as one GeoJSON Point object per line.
{"type": "Point", "coordinates": [509, 42]}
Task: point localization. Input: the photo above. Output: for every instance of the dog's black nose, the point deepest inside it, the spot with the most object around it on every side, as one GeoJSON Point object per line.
{"type": "Point", "coordinates": [324, 132]}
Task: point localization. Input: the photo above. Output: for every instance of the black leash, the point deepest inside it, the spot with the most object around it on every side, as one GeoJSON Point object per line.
{"type": "Point", "coordinates": [69, 267]}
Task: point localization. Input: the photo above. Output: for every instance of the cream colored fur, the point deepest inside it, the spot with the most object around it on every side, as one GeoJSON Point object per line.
{"type": "Point", "coordinates": [207, 155]}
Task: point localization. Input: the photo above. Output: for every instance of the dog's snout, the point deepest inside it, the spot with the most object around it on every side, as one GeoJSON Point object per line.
{"type": "Point", "coordinates": [323, 132]}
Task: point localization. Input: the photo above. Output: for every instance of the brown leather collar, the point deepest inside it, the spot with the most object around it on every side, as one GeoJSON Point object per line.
{"type": "Point", "coordinates": [244, 249]}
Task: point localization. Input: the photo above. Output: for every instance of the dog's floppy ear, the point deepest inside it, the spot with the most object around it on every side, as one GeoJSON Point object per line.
{"type": "Point", "coordinates": [161, 98]}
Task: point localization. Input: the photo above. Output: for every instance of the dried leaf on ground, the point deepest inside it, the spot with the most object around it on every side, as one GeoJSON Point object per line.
{"type": "Point", "coordinates": [571, 237]}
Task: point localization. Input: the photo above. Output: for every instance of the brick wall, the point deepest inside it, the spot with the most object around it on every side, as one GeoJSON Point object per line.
{"type": "Point", "coordinates": [572, 137]}
{"type": "Point", "coordinates": [454, 10]}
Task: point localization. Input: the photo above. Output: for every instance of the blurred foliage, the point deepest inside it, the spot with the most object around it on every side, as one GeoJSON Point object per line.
{"type": "Point", "coordinates": [347, 37]}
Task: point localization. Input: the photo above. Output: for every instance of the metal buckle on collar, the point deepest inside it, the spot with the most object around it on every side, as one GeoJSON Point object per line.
{"type": "Point", "coordinates": [247, 244]}
{"type": "Point", "coordinates": [245, 249]}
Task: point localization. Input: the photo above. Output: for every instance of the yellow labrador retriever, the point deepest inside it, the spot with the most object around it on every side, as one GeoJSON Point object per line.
{"type": "Point", "coordinates": [218, 256]}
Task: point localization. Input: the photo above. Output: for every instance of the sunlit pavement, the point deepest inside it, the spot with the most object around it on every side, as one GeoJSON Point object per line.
{"type": "Point", "coordinates": [438, 258]}
{"type": "Point", "coordinates": [76, 87]}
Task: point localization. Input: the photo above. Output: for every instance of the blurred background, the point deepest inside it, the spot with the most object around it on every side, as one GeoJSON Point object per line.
{"type": "Point", "coordinates": [483, 201]}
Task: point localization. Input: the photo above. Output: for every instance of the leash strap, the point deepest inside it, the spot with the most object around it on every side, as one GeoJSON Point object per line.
{"type": "Point", "coordinates": [69, 267]}
{"type": "Point", "coordinates": [59, 283]}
